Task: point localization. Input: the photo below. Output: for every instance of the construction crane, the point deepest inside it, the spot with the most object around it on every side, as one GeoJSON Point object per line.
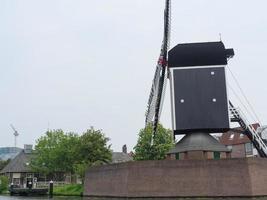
{"type": "Point", "coordinates": [16, 134]}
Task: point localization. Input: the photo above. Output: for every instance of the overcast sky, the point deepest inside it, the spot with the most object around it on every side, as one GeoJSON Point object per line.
{"type": "Point", "coordinates": [72, 64]}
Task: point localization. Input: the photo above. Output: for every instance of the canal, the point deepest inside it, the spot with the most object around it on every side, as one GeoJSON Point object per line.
{"type": "Point", "coordinates": [87, 198]}
{"type": "Point", "coordinates": [39, 198]}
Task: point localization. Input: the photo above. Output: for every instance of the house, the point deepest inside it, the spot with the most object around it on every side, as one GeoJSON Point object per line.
{"type": "Point", "coordinates": [118, 157]}
{"type": "Point", "coordinates": [239, 143]}
{"type": "Point", "coordinates": [20, 173]}
{"type": "Point", "coordinates": [18, 169]}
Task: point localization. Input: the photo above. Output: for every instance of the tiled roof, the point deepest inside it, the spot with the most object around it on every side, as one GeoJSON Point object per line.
{"type": "Point", "coordinates": [236, 136]}
{"type": "Point", "coordinates": [118, 157]}
{"type": "Point", "coordinates": [19, 164]}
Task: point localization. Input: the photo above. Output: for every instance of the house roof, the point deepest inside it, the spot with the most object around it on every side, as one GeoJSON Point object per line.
{"type": "Point", "coordinates": [118, 157]}
{"type": "Point", "coordinates": [236, 136]}
{"type": "Point", "coordinates": [19, 164]}
{"type": "Point", "coordinates": [198, 142]}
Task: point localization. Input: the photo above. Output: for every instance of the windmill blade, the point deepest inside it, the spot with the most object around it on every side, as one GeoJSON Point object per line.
{"type": "Point", "coordinates": [159, 82]}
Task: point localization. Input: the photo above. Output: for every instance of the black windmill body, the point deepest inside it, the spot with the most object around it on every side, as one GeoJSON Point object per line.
{"type": "Point", "coordinates": [198, 87]}
{"type": "Point", "coordinates": [199, 96]}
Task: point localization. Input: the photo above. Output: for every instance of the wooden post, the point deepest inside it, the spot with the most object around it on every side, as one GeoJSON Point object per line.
{"type": "Point", "coordinates": [11, 189]}
{"type": "Point", "coordinates": [51, 189]}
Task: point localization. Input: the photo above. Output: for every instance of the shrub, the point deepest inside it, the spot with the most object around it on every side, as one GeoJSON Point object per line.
{"type": "Point", "coordinates": [3, 184]}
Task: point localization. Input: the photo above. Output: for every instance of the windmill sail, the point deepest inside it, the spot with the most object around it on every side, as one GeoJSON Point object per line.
{"type": "Point", "coordinates": [156, 96]}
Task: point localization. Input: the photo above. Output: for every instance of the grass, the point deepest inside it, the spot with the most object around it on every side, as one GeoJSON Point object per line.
{"type": "Point", "coordinates": [5, 192]}
{"type": "Point", "coordinates": [68, 190]}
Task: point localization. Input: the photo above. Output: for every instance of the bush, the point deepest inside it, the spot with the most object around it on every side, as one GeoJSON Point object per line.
{"type": "Point", "coordinates": [3, 184]}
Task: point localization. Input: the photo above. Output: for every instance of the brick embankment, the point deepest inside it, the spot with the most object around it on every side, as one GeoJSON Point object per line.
{"type": "Point", "coordinates": [185, 178]}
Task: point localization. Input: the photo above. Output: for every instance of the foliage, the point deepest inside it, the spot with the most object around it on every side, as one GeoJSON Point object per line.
{"type": "Point", "coordinates": [57, 151]}
{"type": "Point", "coordinates": [93, 147]}
{"type": "Point", "coordinates": [3, 184]}
{"type": "Point", "coordinates": [3, 163]}
{"type": "Point", "coordinates": [93, 150]}
{"type": "Point", "coordinates": [162, 143]}
{"type": "Point", "coordinates": [69, 190]}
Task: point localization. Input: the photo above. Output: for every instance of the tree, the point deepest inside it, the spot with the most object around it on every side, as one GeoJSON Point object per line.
{"type": "Point", "coordinates": [55, 152]}
{"type": "Point", "coordinates": [3, 163]}
{"type": "Point", "coordinates": [163, 142]}
{"type": "Point", "coordinates": [3, 184]}
{"type": "Point", "coordinates": [93, 150]}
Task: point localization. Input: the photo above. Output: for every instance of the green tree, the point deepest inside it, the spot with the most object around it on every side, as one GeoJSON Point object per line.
{"type": "Point", "coordinates": [162, 143]}
{"type": "Point", "coordinates": [55, 152]}
{"type": "Point", "coordinates": [3, 163]}
{"type": "Point", "coordinates": [3, 184]}
{"type": "Point", "coordinates": [93, 150]}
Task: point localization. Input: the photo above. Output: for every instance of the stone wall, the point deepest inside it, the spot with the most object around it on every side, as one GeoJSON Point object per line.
{"type": "Point", "coordinates": [179, 178]}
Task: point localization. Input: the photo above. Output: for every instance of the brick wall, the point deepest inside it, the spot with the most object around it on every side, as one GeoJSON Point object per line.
{"type": "Point", "coordinates": [176, 178]}
{"type": "Point", "coordinates": [238, 151]}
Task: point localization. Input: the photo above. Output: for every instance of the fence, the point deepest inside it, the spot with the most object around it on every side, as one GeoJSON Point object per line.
{"type": "Point", "coordinates": [45, 184]}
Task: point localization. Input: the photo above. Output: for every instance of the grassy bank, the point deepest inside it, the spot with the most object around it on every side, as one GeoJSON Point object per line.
{"type": "Point", "coordinates": [68, 190]}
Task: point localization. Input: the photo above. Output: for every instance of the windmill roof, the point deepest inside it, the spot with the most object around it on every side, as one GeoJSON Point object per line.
{"type": "Point", "coordinates": [198, 142]}
{"type": "Point", "coordinates": [199, 54]}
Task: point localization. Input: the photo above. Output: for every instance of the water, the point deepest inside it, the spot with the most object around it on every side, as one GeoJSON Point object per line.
{"type": "Point", "coordinates": [87, 198]}
{"type": "Point", "coordinates": [39, 198]}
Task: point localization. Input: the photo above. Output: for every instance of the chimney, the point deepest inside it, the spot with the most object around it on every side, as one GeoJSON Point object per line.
{"type": "Point", "coordinates": [124, 149]}
{"type": "Point", "coordinates": [28, 148]}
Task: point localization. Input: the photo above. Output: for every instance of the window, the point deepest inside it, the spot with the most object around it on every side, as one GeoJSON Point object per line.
{"type": "Point", "coordinates": [248, 148]}
{"type": "Point", "coordinates": [216, 155]}
{"type": "Point", "coordinates": [177, 156]}
{"type": "Point", "coordinates": [232, 136]}
{"type": "Point", "coordinates": [241, 135]}
{"type": "Point", "coordinates": [16, 181]}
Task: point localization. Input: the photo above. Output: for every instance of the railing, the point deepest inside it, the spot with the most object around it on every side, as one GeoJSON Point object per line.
{"type": "Point", "coordinates": [45, 184]}
{"type": "Point", "coordinates": [238, 116]}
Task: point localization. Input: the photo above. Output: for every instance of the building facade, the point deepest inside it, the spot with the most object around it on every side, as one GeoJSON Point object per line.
{"type": "Point", "coordinates": [239, 144]}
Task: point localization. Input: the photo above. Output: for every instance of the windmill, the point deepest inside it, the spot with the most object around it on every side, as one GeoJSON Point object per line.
{"type": "Point", "coordinates": [16, 134]}
{"type": "Point", "coordinates": [198, 89]}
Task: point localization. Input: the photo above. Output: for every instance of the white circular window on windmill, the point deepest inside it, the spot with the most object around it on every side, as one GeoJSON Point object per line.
{"type": "Point", "coordinates": [182, 100]}
{"type": "Point", "coordinates": [212, 73]}
{"type": "Point", "coordinates": [214, 100]}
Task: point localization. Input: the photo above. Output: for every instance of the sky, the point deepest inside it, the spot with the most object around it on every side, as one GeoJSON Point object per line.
{"type": "Point", "coordinates": [73, 64]}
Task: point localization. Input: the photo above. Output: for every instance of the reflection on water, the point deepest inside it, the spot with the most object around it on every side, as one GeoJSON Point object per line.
{"type": "Point", "coordinates": [39, 198]}
{"type": "Point", "coordinates": [90, 198]}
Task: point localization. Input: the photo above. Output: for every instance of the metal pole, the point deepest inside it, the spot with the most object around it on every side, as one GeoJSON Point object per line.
{"type": "Point", "coordinates": [51, 186]}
